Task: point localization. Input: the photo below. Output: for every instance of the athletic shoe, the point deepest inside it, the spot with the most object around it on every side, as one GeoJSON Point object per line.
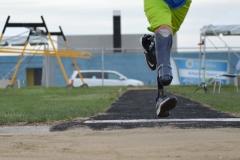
{"type": "Point", "coordinates": [165, 104]}
{"type": "Point", "coordinates": [147, 42]}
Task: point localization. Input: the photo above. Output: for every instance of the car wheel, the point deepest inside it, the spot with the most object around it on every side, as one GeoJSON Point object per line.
{"type": "Point", "coordinates": [84, 85]}
{"type": "Point", "coordinates": [9, 86]}
{"type": "Point", "coordinates": [70, 86]}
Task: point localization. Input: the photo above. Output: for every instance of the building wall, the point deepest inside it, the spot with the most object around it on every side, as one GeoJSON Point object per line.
{"type": "Point", "coordinates": [130, 42]}
{"type": "Point", "coordinates": [87, 41]}
{"type": "Point", "coordinates": [131, 65]}
{"type": "Point", "coordinates": [8, 63]}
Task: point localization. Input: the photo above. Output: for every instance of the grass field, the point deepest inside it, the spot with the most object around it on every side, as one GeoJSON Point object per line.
{"type": "Point", "coordinates": [228, 100]}
{"type": "Point", "coordinates": [37, 104]}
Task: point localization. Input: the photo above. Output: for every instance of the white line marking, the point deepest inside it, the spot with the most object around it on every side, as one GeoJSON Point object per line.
{"type": "Point", "coordinates": [167, 120]}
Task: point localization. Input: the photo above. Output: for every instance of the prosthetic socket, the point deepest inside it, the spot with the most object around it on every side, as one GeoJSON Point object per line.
{"type": "Point", "coordinates": [163, 42]}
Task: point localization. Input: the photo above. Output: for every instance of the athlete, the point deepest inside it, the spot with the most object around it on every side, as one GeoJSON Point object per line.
{"type": "Point", "coordinates": [165, 18]}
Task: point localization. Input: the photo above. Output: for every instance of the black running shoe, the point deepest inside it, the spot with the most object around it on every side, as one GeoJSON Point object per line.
{"type": "Point", "coordinates": [147, 42]}
{"type": "Point", "coordinates": [165, 104]}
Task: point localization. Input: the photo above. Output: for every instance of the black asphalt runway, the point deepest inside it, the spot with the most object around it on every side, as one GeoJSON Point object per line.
{"type": "Point", "coordinates": [140, 104]}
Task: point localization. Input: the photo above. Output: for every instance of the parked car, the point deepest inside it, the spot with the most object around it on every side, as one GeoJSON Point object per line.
{"type": "Point", "coordinates": [94, 78]}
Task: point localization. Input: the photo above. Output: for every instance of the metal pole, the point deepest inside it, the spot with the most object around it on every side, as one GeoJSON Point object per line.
{"type": "Point", "coordinates": [204, 59]}
{"type": "Point", "coordinates": [200, 61]}
{"type": "Point", "coordinates": [47, 69]}
{"type": "Point", "coordinates": [45, 79]}
{"type": "Point", "coordinates": [102, 66]}
{"type": "Point", "coordinates": [229, 58]}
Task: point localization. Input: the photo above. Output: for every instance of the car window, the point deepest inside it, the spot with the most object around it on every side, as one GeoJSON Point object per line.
{"type": "Point", "coordinates": [113, 76]}
{"type": "Point", "coordinates": [91, 75]}
{"type": "Point", "coordinates": [84, 75]}
{"type": "Point", "coordinates": [96, 75]}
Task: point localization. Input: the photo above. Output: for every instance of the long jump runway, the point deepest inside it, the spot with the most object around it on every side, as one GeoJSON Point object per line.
{"type": "Point", "coordinates": [136, 108]}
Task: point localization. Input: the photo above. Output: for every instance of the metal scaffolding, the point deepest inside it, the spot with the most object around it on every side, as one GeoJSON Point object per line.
{"type": "Point", "coordinates": [33, 31]}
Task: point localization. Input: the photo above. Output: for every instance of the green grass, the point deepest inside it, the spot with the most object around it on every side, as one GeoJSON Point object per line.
{"type": "Point", "coordinates": [38, 104]}
{"type": "Point", "coordinates": [228, 100]}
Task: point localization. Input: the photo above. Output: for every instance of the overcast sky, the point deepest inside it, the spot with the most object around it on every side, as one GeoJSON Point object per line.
{"type": "Point", "coordinates": [84, 17]}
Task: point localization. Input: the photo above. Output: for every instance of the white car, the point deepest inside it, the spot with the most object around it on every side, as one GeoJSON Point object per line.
{"type": "Point", "coordinates": [94, 78]}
